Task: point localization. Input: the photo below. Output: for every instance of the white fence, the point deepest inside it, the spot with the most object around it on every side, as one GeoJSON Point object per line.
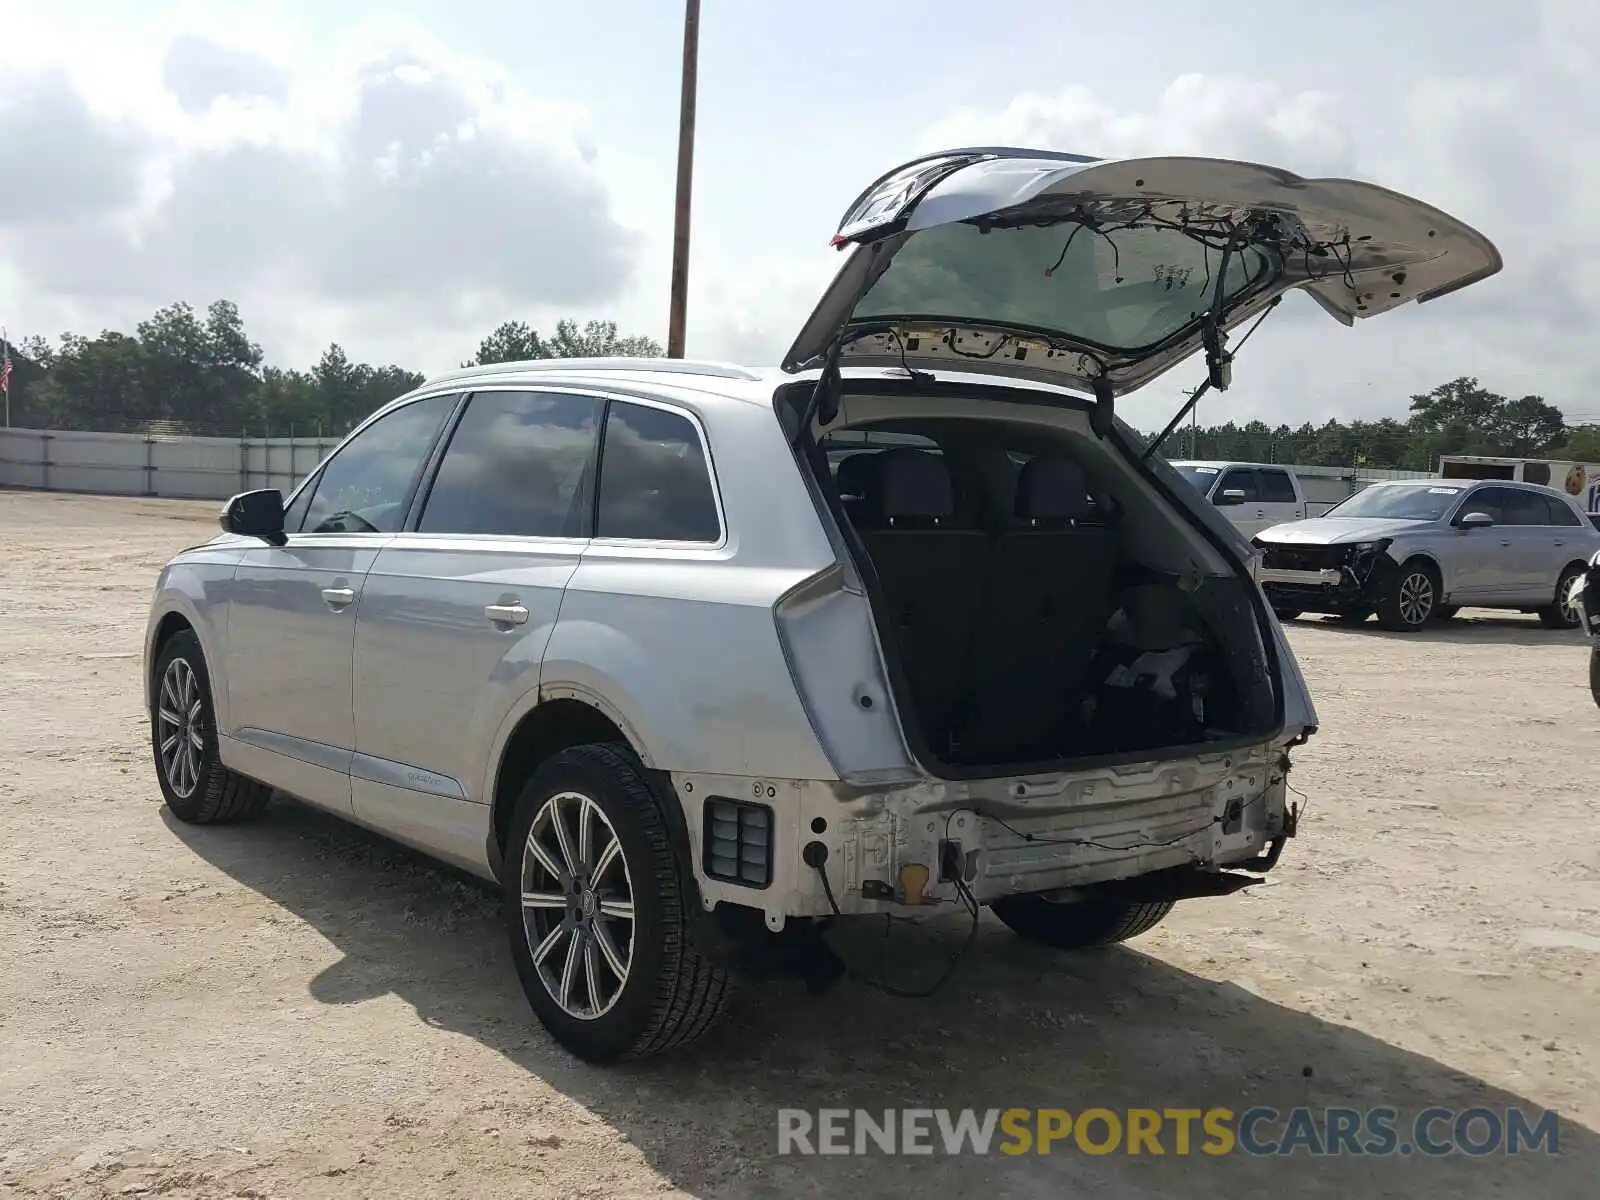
{"type": "Point", "coordinates": [214, 468]}
{"type": "Point", "coordinates": [131, 464]}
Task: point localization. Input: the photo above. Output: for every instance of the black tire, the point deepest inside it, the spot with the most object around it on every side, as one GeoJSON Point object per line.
{"type": "Point", "coordinates": [1446, 612]}
{"type": "Point", "coordinates": [1287, 614]}
{"type": "Point", "coordinates": [1556, 616]}
{"type": "Point", "coordinates": [1411, 597]}
{"type": "Point", "coordinates": [1079, 924]}
{"type": "Point", "coordinates": [202, 791]}
{"type": "Point", "coordinates": [671, 994]}
{"type": "Point", "coordinates": [1594, 674]}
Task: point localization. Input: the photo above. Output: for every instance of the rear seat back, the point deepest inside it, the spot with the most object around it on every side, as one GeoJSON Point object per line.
{"type": "Point", "coordinates": [851, 480]}
{"type": "Point", "coordinates": [930, 572]}
{"type": "Point", "coordinates": [1043, 616]}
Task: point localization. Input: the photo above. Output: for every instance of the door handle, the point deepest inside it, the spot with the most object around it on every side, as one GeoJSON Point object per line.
{"type": "Point", "coordinates": [506, 614]}
{"type": "Point", "coordinates": [1505, 541]}
{"type": "Point", "coordinates": [1559, 542]}
{"type": "Point", "coordinates": [338, 597]}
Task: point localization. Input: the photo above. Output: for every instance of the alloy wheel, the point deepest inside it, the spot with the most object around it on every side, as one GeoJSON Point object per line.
{"type": "Point", "coordinates": [180, 728]}
{"type": "Point", "coordinates": [577, 905]}
{"type": "Point", "coordinates": [1416, 598]}
{"type": "Point", "coordinates": [1567, 602]}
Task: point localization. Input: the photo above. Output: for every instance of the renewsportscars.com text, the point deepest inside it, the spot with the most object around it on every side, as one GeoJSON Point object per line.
{"type": "Point", "coordinates": [1258, 1131]}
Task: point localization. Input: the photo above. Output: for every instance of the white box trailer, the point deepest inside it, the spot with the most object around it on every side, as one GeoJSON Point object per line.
{"type": "Point", "coordinates": [1578, 479]}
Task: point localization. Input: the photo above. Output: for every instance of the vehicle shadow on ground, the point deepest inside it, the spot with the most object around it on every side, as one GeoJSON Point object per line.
{"type": "Point", "coordinates": [1472, 627]}
{"type": "Point", "coordinates": [1017, 1027]}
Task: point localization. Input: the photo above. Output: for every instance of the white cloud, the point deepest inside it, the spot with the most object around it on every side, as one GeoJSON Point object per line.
{"type": "Point", "coordinates": [387, 186]}
{"type": "Point", "coordinates": [382, 189]}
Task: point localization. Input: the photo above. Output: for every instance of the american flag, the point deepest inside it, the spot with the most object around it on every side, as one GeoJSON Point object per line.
{"type": "Point", "coordinates": [5, 372]}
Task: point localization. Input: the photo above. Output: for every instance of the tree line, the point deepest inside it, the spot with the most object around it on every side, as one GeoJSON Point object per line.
{"type": "Point", "coordinates": [182, 371]}
{"type": "Point", "coordinates": [191, 372]}
{"type": "Point", "coordinates": [1458, 417]}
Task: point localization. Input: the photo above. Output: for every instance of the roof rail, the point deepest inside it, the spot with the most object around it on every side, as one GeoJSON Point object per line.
{"type": "Point", "coordinates": [678, 366]}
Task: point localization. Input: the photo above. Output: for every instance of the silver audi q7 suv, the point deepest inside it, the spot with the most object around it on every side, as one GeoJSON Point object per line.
{"type": "Point", "coordinates": [693, 660]}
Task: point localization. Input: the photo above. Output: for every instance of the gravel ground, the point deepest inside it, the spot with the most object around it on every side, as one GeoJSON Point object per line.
{"type": "Point", "coordinates": [296, 1009]}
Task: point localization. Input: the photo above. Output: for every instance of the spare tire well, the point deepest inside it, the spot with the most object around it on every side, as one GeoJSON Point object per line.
{"type": "Point", "coordinates": [550, 728]}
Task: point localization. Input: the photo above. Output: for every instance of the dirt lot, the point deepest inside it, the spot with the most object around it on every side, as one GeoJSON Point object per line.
{"type": "Point", "coordinates": [296, 1009]}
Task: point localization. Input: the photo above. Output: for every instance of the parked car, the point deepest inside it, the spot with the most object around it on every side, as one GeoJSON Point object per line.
{"type": "Point", "coordinates": [1418, 550]}
{"type": "Point", "coordinates": [617, 636]}
{"type": "Point", "coordinates": [1257, 496]}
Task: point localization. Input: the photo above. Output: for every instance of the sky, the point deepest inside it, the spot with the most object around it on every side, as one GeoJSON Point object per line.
{"type": "Point", "coordinates": [401, 177]}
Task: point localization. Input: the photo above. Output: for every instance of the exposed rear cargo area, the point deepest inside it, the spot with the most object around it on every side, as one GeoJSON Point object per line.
{"type": "Point", "coordinates": [1032, 613]}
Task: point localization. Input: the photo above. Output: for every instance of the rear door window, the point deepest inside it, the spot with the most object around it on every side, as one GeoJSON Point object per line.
{"type": "Point", "coordinates": [1524, 508]}
{"type": "Point", "coordinates": [519, 464]}
{"type": "Point", "coordinates": [1275, 487]}
{"type": "Point", "coordinates": [655, 480]}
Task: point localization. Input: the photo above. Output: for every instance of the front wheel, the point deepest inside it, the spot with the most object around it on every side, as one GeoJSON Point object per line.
{"type": "Point", "coordinates": [1564, 613]}
{"type": "Point", "coordinates": [197, 788]}
{"type": "Point", "coordinates": [598, 912]}
{"type": "Point", "coordinates": [1078, 924]}
{"type": "Point", "coordinates": [1411, 598]}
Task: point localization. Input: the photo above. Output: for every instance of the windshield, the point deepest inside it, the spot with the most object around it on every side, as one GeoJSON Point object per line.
{"type": "Point", "coordinates": [1125, 289]}
{"type": "Point", "coordinates": [1399, 503]}
{"type": "Point", "coordinates": [1201, 477]}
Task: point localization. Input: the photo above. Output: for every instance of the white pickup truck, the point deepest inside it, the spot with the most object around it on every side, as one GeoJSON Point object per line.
{"type": "Point", "coordinates": [1257, 496]}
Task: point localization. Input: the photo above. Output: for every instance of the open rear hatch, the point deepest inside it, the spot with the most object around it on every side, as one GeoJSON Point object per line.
{"type": "Point", "coordinates": [1101, 275]}
{"type": "Point", "coordinates": [1028, 626]}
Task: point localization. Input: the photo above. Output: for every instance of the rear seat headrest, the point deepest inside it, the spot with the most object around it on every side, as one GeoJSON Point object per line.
{"type": "Point", "coordinates": [853, 474]}
{"type": "Point", "coordinates": [912, 483]}
{"type": "Point", "coordinates": [1051, 487]}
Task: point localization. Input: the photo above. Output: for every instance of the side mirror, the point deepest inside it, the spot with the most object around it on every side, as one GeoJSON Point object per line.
{"type": "Point", "coordinates": [1475, 520]}
{"type": "Point", "coordinates": [256, 514]}
{"type": "Point", "coordinates": [1229, 497]}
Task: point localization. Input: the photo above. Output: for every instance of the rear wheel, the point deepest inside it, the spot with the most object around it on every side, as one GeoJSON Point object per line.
{"type": "Point", "coordinates": [196, 786]}
{"type": "Point", "coordinates": [1411, 598]}
{"type": "Point", "coordinates": [1564, 613]}
{"type": "Point", "coordinates": [1078, 924]}
{"type": "Point", "coordinates": [598, 913]}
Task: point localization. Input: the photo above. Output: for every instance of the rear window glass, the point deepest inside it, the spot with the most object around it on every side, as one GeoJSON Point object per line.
{"type": "Point", "coordinates": [1124, 290]}
{"type": "Point", "coordinates": [655, 483]}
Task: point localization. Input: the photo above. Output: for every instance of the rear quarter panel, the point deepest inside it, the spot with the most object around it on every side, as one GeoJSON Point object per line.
{"type": "Point", "coordinates": [679, 644]}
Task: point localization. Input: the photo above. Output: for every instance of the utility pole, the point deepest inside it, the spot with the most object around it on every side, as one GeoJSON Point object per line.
{"type": "Point", "coordinates": [680, 235]}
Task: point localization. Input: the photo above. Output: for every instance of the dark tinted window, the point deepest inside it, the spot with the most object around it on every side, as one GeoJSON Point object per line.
{"type": "Point", "coordinates": [1276, 487]}
{"type": "Point", "coordinates": [1491, 500]}
{"type": "Point", "coordinates": [1561, 512]}
{"type": "Point", "coordinates": [1244, 481]}
{"type": "Point", "coordinates": [654, 481]}
{"type": "Point", "coordinates": [518, 463]}
{"type": "Point", "coordinates": [1525, 508]}
{"type": "Point", "coordinates": [366, 486]}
